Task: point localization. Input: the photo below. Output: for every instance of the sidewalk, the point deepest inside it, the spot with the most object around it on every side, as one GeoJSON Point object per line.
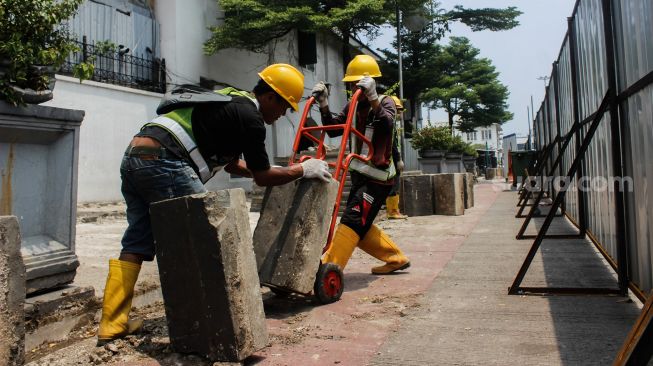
{"type": "Point", "coordinates": [450, 307]}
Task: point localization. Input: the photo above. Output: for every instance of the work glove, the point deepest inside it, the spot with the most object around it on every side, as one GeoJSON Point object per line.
{"type": "Point", "coordinates": [316, 168]}
{"type": "Point", "coordinates": [369, 87]}
{"type": "Point", "coordinates": [400, 165]}
{"type": "Point", "coordinates": [321, 94]}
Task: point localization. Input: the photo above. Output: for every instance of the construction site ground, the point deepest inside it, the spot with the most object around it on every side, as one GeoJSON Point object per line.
{"type": "Point", "coordinates": [451, 307]}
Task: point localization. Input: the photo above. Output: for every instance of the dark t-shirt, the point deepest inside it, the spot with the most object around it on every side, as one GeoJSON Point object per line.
{"type": "Point", "coordinates": [223, 131]}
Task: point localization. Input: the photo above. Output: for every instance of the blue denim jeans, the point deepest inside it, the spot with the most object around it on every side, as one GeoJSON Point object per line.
{"type": "Point", "coordinates": [145, 182]}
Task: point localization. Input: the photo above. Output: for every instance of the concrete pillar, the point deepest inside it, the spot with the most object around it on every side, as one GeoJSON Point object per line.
{"type": "Point", "coordinates": [416, 197]}
{"type": "Point", "coordinates": [469, 189]}
{"type": "Point", "coordinates": [12, 294]}
{"type": "Point", "coordinates": [449, 194]}
{"type": "Point", "coordinates": [490, 173]}
{"type": "Point", "coordinates": [292, 231]}
{"type": "Point", "coordinates": [208, 275]}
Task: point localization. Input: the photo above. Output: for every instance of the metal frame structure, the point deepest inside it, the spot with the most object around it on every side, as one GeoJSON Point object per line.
{"type": "Point", "coordinates": [609, 104]}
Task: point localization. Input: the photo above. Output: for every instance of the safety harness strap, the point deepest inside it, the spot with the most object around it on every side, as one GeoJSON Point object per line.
{"type": "Point", "coordinates": [189, 144]}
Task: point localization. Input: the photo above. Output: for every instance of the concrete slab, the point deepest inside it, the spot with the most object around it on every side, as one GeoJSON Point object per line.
{"type": "Point", "coordinates": [449, 194]}
{"type": "Point", "coordinates": [416, 197]}
{"type": "Point", "coordinates": [291, 232]}
{"type": "Point", "coordinates": [12, 293]}
{"type": "Point", "coordinates": [208, 275]}
{"type": "Point", "coordinates": [469, 181]}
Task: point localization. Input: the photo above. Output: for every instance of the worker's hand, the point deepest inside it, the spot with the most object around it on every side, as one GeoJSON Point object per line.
{"type": "Point", "coordinates": [321, 94]}
{"type": "Point", "coordinates": [369, 87]}
{"type": "Point", "coordinates": [400, 165]}
{"type": "Point", "coordinates": [316, 168]}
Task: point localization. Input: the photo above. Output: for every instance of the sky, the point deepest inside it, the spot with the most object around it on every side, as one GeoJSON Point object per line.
{"type": "Point", "coordinates": [521, 55]}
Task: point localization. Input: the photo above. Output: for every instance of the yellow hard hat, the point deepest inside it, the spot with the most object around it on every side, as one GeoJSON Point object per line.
{"type": "Point", "coordinates": [400, 105]}
{"type": "Point", "coordinates": [286, 80]}
{"type": "Point", "coordinates": [360, 66]}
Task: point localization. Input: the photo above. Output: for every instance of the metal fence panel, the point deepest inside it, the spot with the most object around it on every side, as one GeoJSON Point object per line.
{"type": "Point", "coordinates": [592, 83]}
{"type": "Point", "coordinates": [639, 150]}
{"type": "Point", "coordinates": [634, 31]}
{"type": "Point", "coordinates": [566, 107]}
{"type": "Point", "coordinates": [634, 46]}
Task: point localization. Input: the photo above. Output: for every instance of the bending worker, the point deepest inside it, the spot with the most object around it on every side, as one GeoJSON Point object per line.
{"type": "Point", "coordinates": [392, 202]}
{"type": "Point", "coordinates": [371, 182]}
{"type": "Point", "coordinates": [173, 155]}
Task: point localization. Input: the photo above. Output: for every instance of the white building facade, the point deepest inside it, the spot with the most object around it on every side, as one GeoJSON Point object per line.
{"type": "Point", "coordinates": [174, 31]}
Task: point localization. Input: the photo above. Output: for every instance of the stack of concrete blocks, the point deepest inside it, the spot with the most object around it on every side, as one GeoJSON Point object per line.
{"type": "Point", "coordinates": [449, 194]}
{"type": "Point", "coordinates": [12, 294]}
{"type": "Point", "coordinates": [469, 189]}
{"type": "Point", "coordinates": [416, 195]}
{"type": "Point", "coordinates": [292, 231]}
{"type": "Point", "coordinates": [208, 275]}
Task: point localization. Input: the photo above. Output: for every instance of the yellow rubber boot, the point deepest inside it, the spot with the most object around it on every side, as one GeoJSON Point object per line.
{"type": "Point", "coordinates": [379, 245]}
{"type": "Point", "coordinates": [342, 246]}
{"type": "Point", "coordinates": [392, 207]}
{"type": "Point", "coordinates": [117, 303]}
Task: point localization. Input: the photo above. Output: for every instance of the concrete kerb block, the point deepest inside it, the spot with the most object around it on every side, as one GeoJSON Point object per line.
{"type": "Point", "coordinates": [12, 293]}
{"type": "Point", "coordinates": [292, 231]}
{"type": "Point", "coordinates": [469, 189]}
{"type": "Point", "coordinates": [208, 275]}
{"type": "Point", "coordinates": [449, 194]}
{"type": "Point", "coordinates": [416, 197]}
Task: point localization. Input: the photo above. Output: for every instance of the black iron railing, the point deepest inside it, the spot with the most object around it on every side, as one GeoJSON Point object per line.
{"type": "Point", "coordinates": [114, 65]}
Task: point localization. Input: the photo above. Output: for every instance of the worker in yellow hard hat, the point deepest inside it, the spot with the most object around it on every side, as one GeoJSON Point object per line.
{"type": "Point", "coordinates": [371, 182]}
{"type": "Point", "coordinates": [197, 132]}
{"type": "Point", "coordinates": [392, 202]}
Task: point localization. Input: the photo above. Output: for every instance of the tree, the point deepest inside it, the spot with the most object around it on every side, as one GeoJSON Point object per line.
{"type": "Point", "coordinates": [468, 87]}
{"type": "Point", "coordinates": [252, 24]}
{"type": "Point", "coordinates": [421, 54]}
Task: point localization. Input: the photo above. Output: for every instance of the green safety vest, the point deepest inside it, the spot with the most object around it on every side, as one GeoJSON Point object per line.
{"type": "Point", "coordinates": [179, 124]}
{"type": "Point", "coordinates": [367, 168]}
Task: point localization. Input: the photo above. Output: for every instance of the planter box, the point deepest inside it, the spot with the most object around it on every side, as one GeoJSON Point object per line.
{"type": "Point", "coordinates": [432, 165]}
{"type": "Point", "coordinates": [39, 149]}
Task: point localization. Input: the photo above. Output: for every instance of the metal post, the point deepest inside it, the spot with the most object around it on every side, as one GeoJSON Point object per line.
{"type": "Point", "coordinates": [615, 135]}
{"type": "Point", "coordinates": [556, 106]}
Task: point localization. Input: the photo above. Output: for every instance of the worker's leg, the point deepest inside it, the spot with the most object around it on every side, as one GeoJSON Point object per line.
{"type": "Point", "coordinates": [375, 242]}
{"type": "Point", "coordinates": [143, 182]}
{"type": "Point", "coordinates": [379, 245]}
{"type": "Point", "coordinates": [392, 202]}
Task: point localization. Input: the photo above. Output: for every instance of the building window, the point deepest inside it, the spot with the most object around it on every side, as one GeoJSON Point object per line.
{"type": "Point", "coordinates": [471, 136]}
{"type": "Point", "coordinates": [486, 134]}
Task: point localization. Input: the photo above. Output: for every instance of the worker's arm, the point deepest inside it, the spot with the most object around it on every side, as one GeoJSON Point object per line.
{"type": "Point", "coordinates": [238, 167]}
{"type": "Point", "coordinates": [321, 93]}
{"type": "Point", "coordinates": [274, 176]}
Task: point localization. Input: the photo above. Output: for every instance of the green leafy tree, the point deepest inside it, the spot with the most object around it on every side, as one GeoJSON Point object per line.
{"type": "Point", "coordinates": [32, 39]}
{"type": "Point", "coordinates": [467, 87]}
{"type": "Point", "coordinates": [253, 24]}
{"type": "Point", "coordinates": [421, 53]}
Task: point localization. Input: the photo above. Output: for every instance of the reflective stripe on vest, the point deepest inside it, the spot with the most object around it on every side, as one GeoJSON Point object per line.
{"type": "Point", "coordinates": [368, 169]}
{"type": "Point", "coordinates": [189, 144]}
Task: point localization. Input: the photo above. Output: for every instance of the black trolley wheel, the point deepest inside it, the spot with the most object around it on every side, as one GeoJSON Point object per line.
{"type": "Point", "coordinates": [329, 283]}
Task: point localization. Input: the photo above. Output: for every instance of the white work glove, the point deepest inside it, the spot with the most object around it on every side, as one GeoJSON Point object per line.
{"type": "Point", "coordinates": [369, 87]}
{"type": "Point", "coordinates": [400, 165]}
{"type": "Point", "coordinates": [321, 94]}
{"type": "Point", "coordinates": [316, 168]}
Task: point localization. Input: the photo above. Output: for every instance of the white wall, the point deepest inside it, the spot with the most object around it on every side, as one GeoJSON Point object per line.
{"type": "Point", "coordinates": [113, 114]}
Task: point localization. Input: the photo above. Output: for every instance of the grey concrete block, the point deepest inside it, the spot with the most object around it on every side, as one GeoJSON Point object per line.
{"type": "Point", "coordinates": [12, 293]}
{"type": "Point", "coordinates": [291, 232]}
{"type": "Point", "coordinates": [449, 194]}
{"type": "Point", "coordinates": [416, 197]}
{"type": "Point", "coordinates": [208, 275]}
{"type": "Point", "coordinates": [469, 189]}
{"type": "Point", "coordinates": [432, 165]}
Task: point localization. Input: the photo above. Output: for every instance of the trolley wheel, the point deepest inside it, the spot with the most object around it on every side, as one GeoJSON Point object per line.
{"type": "Point", "coordinates": [329, 283]}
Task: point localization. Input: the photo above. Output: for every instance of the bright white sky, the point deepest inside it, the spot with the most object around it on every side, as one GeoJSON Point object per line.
{"type": "Point", "coordinates": [520, 55]}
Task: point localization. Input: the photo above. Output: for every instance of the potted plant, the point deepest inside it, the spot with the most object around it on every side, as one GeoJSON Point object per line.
{"type": "Point", "coordinates": [456, 148]}
{"type": "Point", "coordinates": [33, 45]}
{"type": "Point", "coordinates": [431, 141]}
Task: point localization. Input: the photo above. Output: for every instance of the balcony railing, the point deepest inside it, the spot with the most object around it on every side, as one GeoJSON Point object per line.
{"type": "Point", "coordinates": [116, 66]}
